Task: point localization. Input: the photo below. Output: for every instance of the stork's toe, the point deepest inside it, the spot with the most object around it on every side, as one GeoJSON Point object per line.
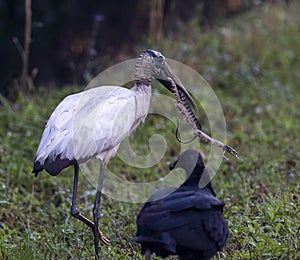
{"type": "Point", "coordinates": [103, 239]}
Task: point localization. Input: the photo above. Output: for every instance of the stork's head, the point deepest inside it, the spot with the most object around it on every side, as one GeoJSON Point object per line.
{"type": "Point", "coordinates": [152, 64]}
{"type": "Point", "coordinates": [147, 66]}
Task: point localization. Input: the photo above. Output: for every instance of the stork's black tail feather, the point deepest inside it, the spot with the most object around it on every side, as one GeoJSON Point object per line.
{"type": "Point", "coordinates": [53, 167]}
{"type": "Point", "coordinates": [37, 167]}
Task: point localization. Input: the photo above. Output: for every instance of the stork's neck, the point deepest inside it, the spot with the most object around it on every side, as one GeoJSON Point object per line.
{"type": "Point", "coordinates": [142, 86]}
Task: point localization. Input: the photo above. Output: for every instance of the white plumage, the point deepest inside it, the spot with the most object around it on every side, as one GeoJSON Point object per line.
{"type": "Point", "coordinates": [93, 123]}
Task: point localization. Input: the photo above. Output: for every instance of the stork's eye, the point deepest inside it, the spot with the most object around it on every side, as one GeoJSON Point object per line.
{"type": "Point", "coordinates": [161, 59]}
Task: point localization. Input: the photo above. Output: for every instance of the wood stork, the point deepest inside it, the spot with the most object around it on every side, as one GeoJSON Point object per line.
{"type": "Point", "coordinates": [187, 222]}
{"type": "Point", "coordinates": [93, 123]}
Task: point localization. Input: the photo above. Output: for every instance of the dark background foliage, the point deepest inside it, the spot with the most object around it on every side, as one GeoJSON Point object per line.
{"type": "Point", "coordinates": [63, 31]}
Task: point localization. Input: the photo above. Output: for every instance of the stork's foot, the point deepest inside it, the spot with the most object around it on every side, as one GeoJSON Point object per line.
{"type": "Point", "coordinates": [103, 239]}
{"type": "Point", "coordinates": [76, 214]}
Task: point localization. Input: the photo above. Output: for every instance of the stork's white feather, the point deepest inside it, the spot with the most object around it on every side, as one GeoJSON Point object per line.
{"type": "Point", "coordinates": [93, 123]}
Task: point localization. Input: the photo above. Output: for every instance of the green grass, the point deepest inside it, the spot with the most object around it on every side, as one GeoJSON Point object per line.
{"type": "Point", "coordinates": [252, 62]}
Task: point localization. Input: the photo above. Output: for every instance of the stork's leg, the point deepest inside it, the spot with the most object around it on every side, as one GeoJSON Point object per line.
{"type": "Point", "coordinates": [96, 210]}
{"type": "Point", "coordinates": [75, 211]}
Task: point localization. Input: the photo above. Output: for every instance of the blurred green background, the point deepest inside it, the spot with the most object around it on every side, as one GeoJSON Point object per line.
{"type": "Point", "coordinates": [249, 52]}
{"type": "Point", "coordinates": [71, 39]}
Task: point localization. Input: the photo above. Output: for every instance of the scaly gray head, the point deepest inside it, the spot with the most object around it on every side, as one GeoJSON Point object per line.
{"type": "Point", "coordinates": [152, 64]}
{"type": "Point", "coordinates": [147, 66]}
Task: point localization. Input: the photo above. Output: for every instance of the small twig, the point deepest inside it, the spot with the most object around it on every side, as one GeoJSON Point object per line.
{"type": "Point", "coordinates": [156, 19]}
{"type": "Point", "coordinates": [18, 46]}
{"type": "Point", "coordinates": [27, 41]}
{"type": "Point", "coordinates": [91, 50]}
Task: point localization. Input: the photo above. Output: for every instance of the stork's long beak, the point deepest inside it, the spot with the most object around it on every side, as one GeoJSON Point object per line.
{"type": "Point", "coordinates": [166, 76]}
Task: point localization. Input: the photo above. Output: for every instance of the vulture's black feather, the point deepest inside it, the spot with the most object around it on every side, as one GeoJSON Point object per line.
{"type": "Point", "coordinates": [188, 222]}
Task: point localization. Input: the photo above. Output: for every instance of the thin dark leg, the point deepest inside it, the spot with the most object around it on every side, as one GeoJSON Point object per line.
{"type": "Point", "coordinates": [96, 210]}
{"type": "Point", "coordinates": [148, 254]}
{"type": "Point", "coordinates": [75, 211]}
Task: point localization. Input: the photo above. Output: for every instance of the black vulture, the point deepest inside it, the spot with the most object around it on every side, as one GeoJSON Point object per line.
{"type": "Point", "coordinates": [188, 222]}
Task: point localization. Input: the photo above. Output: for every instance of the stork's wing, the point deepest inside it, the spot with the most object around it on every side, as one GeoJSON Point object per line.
{"type": "Point", "coordinates": [57, 131]}
{"type": "Point", "coordinates": [92, 122]}
{"type": "Point", "coordinates": [118, 116]}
